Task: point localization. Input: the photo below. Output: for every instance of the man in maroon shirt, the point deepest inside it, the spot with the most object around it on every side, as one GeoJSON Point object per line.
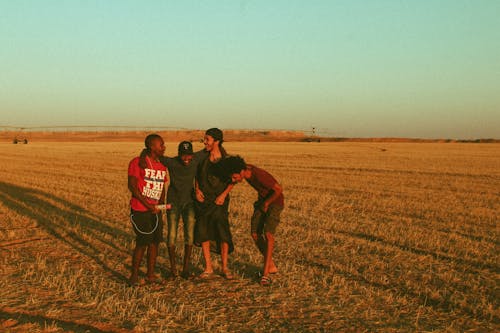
{"type": "Point", "coordinates": [147, 186]}
{"type": "Point", "coordinates": [267, 208]}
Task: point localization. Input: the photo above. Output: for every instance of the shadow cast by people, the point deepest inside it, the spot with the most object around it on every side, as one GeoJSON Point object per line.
{"type": "Point", "coordinates": [467, 264]}
{"type": "Point", "coordinates": [247, 270]}
{"type": "Point", "coordinates": [66, 222]}
{"type": "Point", "coordinates": [66, 325]}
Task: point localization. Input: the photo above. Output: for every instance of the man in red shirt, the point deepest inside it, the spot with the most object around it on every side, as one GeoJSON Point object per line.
{"type": "Point", "coordinates": [267, 208]}
{"type": "Point", "coordinates": [147, 186]}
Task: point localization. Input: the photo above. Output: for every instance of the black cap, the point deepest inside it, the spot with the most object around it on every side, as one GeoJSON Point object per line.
{"type": "Point", "coordinates": [185, 148]}
{"type": "Point", "coordinates": [215, 133]}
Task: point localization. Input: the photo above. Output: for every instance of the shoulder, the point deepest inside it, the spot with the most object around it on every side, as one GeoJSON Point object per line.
{"type": "Point", "coordinates": [134, 161]}
{"type": "Point", "coordinates": [201, 154]}
{"type": "Point", "coordinates": [261, 174]}
{"type": "Point", "coordinates": [168, 161]}
{"type": "Point", "coordinates": [159, 165]}
{"type": "Point", "coordinates": [133, 166]}
{"type": "Point", "coordinates": [256, 170]}
{"type": "Point", "coordinates": [164, 160]}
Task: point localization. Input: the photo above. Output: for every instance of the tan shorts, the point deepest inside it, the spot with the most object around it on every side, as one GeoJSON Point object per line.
{"type": "Point", "coordinates": [266, 222]}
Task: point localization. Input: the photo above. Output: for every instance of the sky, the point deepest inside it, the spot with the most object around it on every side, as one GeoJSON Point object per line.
{"type": "Point", "coordinates": [358, 68]}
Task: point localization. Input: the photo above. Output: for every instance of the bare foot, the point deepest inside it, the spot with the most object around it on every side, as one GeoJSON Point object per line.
{"type": "Point", "coordinates": [273, 269]}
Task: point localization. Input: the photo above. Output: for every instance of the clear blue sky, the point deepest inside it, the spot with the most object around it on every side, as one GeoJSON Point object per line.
{"type": "Point", "coordinates": [351, 68]}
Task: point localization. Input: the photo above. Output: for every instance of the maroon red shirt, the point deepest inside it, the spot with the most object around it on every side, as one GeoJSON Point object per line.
{"type": "Point", "coordinates": [150, 182]}
{"type": "Point", "coordinates": [263, 182]}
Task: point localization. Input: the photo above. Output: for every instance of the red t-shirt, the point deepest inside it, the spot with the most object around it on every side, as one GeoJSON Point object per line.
{"type": "Point", "coordinates": [150, 182]}
{"type": "Point", "coordinates": [263, 182]}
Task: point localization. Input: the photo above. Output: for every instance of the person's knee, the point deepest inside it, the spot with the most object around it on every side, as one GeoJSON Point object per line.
{"type": "Point", "coordinates": [140, 248]}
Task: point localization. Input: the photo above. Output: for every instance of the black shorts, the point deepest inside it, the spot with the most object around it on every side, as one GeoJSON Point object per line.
{"type": "Point", "coordinates": [212, 224]}
{"type": "Point", "coordinates": [148, 227]}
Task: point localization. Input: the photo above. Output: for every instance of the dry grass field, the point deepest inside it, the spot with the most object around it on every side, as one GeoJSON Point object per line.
{"type": "Point", "coordinates": [382, 237]}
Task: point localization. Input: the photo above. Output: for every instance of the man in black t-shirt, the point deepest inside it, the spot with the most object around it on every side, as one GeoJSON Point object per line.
{"type": "Point", "coordinates": [182, 169]}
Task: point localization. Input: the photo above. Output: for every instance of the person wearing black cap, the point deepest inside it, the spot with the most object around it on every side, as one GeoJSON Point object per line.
{"type": "Point", "coordinates": [182, 170]}
{"type": "Point", "coordinates": [212, 206]}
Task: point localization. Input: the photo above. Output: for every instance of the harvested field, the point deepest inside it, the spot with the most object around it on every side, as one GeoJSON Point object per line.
{"type": "Point", "coordinates": [374, 237]}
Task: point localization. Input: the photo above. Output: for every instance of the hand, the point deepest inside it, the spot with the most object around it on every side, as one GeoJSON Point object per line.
{"type": "Point", "coordinates": [199, 195]}
{"type": "Point", "coordinates": [219, 201]}
{"type": "Point", "coordinates": [153, 208]}
{"type": "Point", "coordinates": [265, 206]}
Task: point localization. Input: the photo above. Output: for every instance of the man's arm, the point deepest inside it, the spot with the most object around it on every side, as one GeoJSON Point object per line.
{"type": "Point", "coordinates": [222, 197]}
{"type": "Point", "coordinates": [274, 193]}
{"type": "Point", "coordinates": [198, 193]}
{"type": "Point", "coordinates": [132, 186]}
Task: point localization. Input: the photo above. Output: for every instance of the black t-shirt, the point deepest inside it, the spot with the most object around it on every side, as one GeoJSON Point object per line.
{"type": "Point", "coordinates": [180, 191]}
{"type": "Point", "coordinates": [209, 180]}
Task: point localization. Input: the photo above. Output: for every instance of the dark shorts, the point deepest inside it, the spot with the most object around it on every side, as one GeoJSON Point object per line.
{"type": "Point", "coordinates": [212, 224]}
{"type": "Point", "coordinates": [265, 222]}
{"type": "Point", "coordinates": [148, 227]}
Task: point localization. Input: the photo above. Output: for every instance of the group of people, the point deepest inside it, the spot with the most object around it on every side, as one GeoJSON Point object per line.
{"type": "Point", "coordinates": [198, 185]}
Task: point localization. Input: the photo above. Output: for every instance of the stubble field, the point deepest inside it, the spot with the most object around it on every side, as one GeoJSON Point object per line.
{"type": "Point", "coordinates": [374, 237]}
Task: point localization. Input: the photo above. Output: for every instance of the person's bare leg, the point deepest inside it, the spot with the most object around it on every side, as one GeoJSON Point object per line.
{"type": "Point", "coordinates": [205, 248]}
{"type": "Point", "coordinates": [152, 253]}
{"type": "Point", "coordinates": [171, 255]}
{"type": "Point", "coordinates": [268, 261]}
{"type": "Point", "coordinates": [224, 252]}
{"type": "Point", "coordinates": [136, 262]}
{"type": "Point", "coordinates": [261, 244]}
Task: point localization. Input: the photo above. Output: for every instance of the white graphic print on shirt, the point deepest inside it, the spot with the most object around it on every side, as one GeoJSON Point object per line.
{"type": "Point", "coordinates": [155, 180]}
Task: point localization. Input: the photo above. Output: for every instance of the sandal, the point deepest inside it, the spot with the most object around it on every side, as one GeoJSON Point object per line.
{"type": "Point", "coordinates": [266, 281]}
{"type": "Point", "coordinates": [206, 275]}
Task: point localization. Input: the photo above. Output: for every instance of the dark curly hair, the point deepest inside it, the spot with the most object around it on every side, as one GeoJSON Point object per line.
{"type": "Point", "coordinates": [230, 165]}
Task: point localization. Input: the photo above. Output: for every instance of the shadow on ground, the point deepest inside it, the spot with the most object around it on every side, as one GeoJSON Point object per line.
{"type": "Point", "coordinates": [65, 222]}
